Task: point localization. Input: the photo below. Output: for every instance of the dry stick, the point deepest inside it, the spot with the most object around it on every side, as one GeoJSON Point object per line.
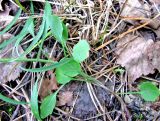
{"type": "Point", "coordinates": [58, 109]}
{"type": "Point", "coordinates": [92, 98]}
{"type": "Point", "coordinates": [20, 85]}
{"type": "Point", "coordinates": [124, 4]}
{"type": "Point", "coordinates": [20, 117]}
{"type": "Point", "coordinates": [98, 83]}
{"type": "Point", "coordinates": [15, 113]}
{"type": "Point", "coordinates": [50, 56]}
{"type": "Point", "coordinates": [74, 103]}
{"type": "Point", "coordinates": [9, 88]}
{"type": "Point", "coordinates": [27, 99]}
{"type": "Point", "coordinates": [127, 32]}
{"type": "Point", "coordinates": [92, 22]}
{"type": "Point", "coordinates": [98, 115]}
{"type": "Point", "coordinates": [96, 99]}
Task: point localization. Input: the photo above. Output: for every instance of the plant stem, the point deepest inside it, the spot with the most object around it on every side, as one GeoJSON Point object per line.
{"type": "Point", "coordinates": [6, 60]}
{"type": "Point", "coordinates": [95, 81]}
{"type": "Point", "coordinates": [129, 93]}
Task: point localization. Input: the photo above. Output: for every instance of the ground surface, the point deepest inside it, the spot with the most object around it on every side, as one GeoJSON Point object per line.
{"type": "Point", "coordinates": [124, 40]}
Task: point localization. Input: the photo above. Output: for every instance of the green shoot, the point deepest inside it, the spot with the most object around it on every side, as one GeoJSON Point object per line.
{"type": "Point", "coordinates": [148, 91]}
{"type": "Point", "coordinates": [81, 51]}
{"type": "Point", "coordinates": [48, 104]}
{"type": "Point", "coordinates": [12, 22]}
{"type": "Point", "coordinates": [21, 6]}
{"type": "Point", "coordinates": [9, 100]}
{"type": "Point", "coordinates": [65, 72]}
{"type": "Point", "coordinates": [34, 101]}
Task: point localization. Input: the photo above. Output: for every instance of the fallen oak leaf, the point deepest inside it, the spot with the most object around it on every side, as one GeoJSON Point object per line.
{"type": "Point", "coordinates": [1, 9]}
{"type": "Point", "coordinates": [5, 18]}
{"type": "Point", "coordinates": [64, 98]}
{"type": "Point", "coordinates": [154, 24]}
{"type": "Point", "coordinates": [133, 55]}
{"type": "Point", "coordinates": [9, 71]}
{"type": "Point", "coordinates": [155, 1]}
{"type": "Point", "coordinates": [135, 9]}
{"type": "Point", "coordinates": [48, 85]}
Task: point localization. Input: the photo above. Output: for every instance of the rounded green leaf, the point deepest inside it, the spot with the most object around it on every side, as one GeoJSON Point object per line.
{"type": "Point", "coordinates": [48, 105]}
{"type": "Point", "coordinates": [61, 77]}
{"type": "Point", "coordinates": [81, 51]}
{"type": "Point", "coordinates": [67, 70]}
{"type": "Point", "coordinates": [71, 69]}
{"type": "Point", "coordinates": [149, 91]}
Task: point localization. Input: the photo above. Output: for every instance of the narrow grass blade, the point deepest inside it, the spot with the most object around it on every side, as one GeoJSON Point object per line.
{"type": "Point", "coordinates": [7, 42]}
{"type": "Point", "coordinates": [47, 13]}
{"type": "Point", "coordinates": [7, 60]}
{"type": "Point", "coordinates": [31, 27]}
{"type": "Point", "coordinates": [28, 28]}
{"type": "Point", "coordinates": [46, 68]}
{"type": "Point", "coordinates": [21, 6]}
{"type": "Point", "coordinates": [12, 22]}
{"type": "Point", "coordinates": [65, 33]}
{"type": "Point", "coordinates": [34, 101]}
{"type": "Point", "coordinates": [56, 28]}
{"type": "Point", "coordinates": [32, 7]}
{"type": "Point", "coordinates": [48, 104]}
{"type": "Point", "coordinates": [9, 100]}
{"type": "Point", "coordinates": [18, 42]}
{"type": "Point", "coordinates": [18, 37]}
{"type": "Point", "coordinates": [35, 40]}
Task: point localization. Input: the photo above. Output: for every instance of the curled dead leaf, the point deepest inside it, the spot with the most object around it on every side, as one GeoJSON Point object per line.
{"type": "Point", "coordinates": [65, 98]}
{"type": "Point", "coordinates": [155, 23]}
{"type": "Point", "coordinates": [155, 1]}
{"type": "Point", "coordinates": [48, 85]}
{"type": "Point", "coordinates": [9, 71]}
{"type": "Point", "coordinates": [135, 9]}
{"type": "Point", "coordinates": [5, 18]}
{"type": "Point", "coordinates": [157, 32]}
{"type": "Point", "coordinates": [138, 55]}
{"type": "Point", "coordinates": [1, 9]}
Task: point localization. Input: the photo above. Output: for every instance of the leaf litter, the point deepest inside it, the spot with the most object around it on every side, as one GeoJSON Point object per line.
{"type": "Point", "coordinates": [127, 46]}
{"type": "Point", "coordinates": [9, 71]}
{"type": "Point", "coordinates": [138, 55]}
{"type": "Point", "coordinates": [1, 9]}
{"type": "Point", "coordinates": [5, 18]}
{"type": "Point", "coordinates": [49, 84]}
{"type": "Point", "coordinates": [65, 98]}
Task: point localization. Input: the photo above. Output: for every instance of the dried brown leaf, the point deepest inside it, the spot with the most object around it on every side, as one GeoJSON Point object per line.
{"type": "Point", "coordinates": [65, 98]}
{"type": "Point", "coordinates": [48, 85]}
{"type": "Point", "coordinates": [155, 23]}
{"type": "Point", "coordinates": [9, 71]}
{"type": "Point", "coordinates": [135, 9]}
{"type": "Point", "coordinates": [157, 32]}
{"type": "Point", "coordinates": [5, 18]}
{"type": "Point", "coordinates": [155, 1]}
{"type": "Point", "coordinates": [1, 9]}
{"type": "Point", "coordinates": [138, 56]}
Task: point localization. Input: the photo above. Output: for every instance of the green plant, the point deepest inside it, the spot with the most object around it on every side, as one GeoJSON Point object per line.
{"type": "Point", "coordinates": [148, 91]}
{"type": "Point", "coordinates": [66, 69]}
{"type": "Point", "coordinates": [64, 74]}
{"type": "Point", "coordinates": [119, 70]}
